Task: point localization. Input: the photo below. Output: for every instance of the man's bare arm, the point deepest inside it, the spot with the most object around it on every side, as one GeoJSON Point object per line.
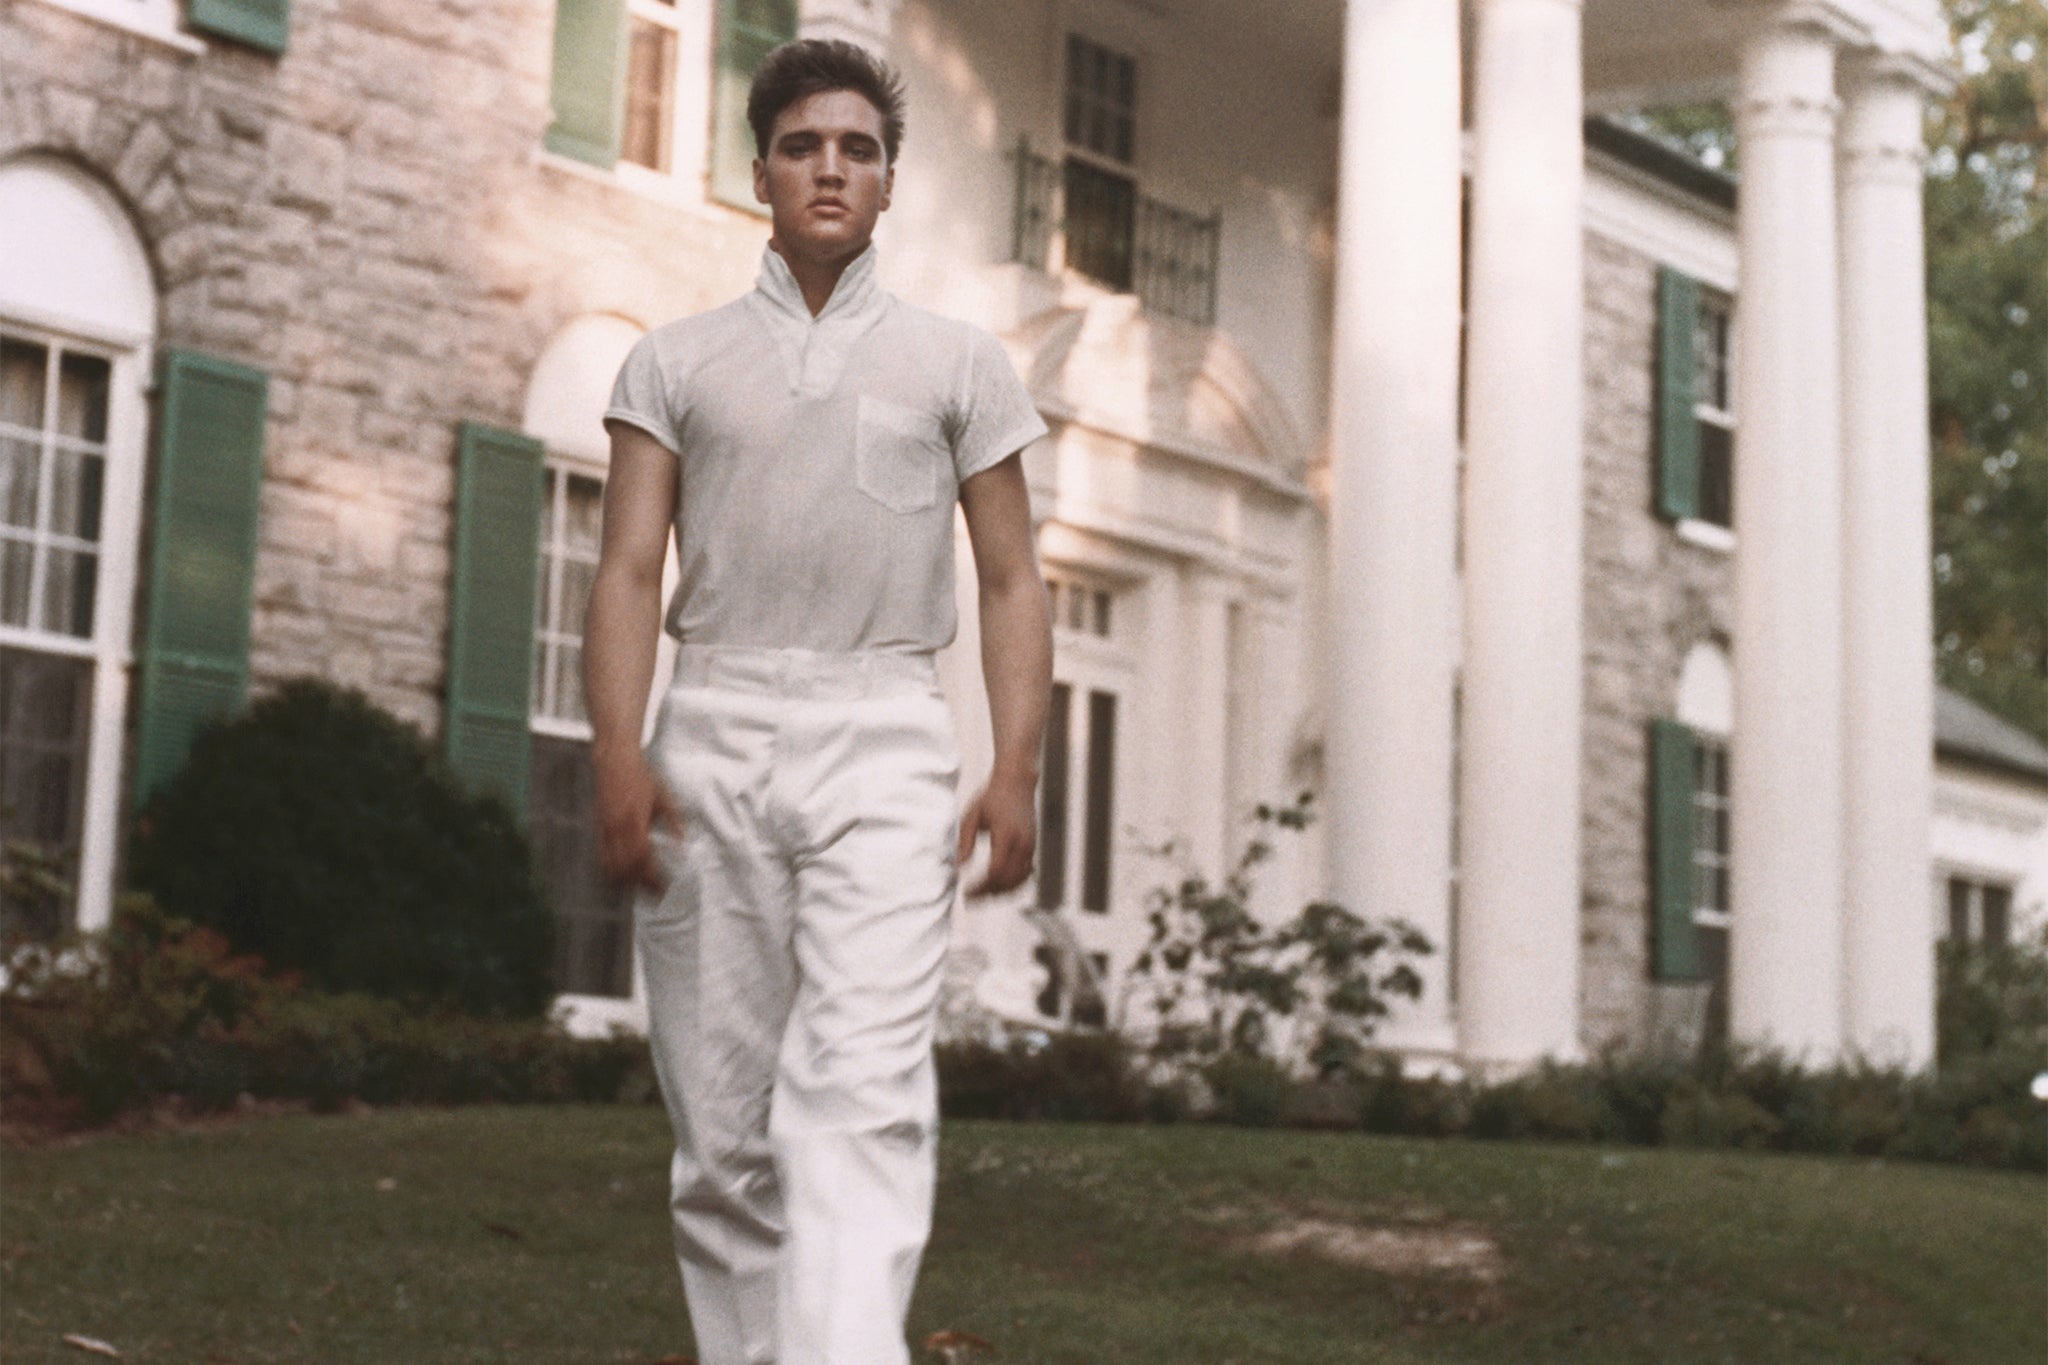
{"type": "Point", "coordinates": [620, 634]}
{"type": "Point", "coordinates": [1016, 663]}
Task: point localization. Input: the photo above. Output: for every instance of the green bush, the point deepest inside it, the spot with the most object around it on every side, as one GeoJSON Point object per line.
{"type": "Point", "coordinates": [1058, 1076]}
{"type": "Point", "coordinates": [326, 837]}
{"type": "Point", "coordinates": [1250, 1091]}
{"type": "Point", "coordinates": [156, 1008]}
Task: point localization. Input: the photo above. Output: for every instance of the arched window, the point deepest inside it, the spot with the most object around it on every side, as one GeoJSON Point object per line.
{"type": "Point", "coordinates": [77, 321]}
{"type": "Point", "coordinates": [564, 410]}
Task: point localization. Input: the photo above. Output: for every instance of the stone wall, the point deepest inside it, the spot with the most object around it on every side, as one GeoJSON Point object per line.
{"type": "Point", "coordinates": [371, 221]}
{"type": "Point", "coordinates": [1650, 597]}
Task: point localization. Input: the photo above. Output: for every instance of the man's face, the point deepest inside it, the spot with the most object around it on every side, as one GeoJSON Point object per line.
{"type": "Point", "coordinates": [825, 179]}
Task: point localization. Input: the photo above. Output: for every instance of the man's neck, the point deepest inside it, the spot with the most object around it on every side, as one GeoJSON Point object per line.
{"type": "Point", "coordinates": [816, 277]}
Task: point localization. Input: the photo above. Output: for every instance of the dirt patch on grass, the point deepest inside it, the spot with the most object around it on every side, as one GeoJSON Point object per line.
{"type": "Point", "coordinates": [1448, 1251]}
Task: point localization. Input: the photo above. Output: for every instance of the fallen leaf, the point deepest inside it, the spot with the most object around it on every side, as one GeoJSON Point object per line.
{"type": "Point", "coordinates": [387, 1184]}
{"type": "Point", "coordinates": [91, 1344]}
{"type": "Point", "coordinates": [956, 1348]}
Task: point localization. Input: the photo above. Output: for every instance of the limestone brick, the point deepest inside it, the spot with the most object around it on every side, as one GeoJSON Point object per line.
{"type": "Point", "coordinates": [1649, 597]}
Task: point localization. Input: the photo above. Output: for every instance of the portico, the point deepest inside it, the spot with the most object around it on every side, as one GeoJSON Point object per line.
{"type": "Point", "coordinates": [1436, 592]}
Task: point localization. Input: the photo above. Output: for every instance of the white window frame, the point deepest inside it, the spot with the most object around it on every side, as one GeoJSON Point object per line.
{"type": "Point", "coordinates": [1707, 857]}
{"type": "Point", "coordinates": [1976, 884]}
{"type": "Point", "coordinates": [693, 22]}
{"type": "Point", "coordinates": [154, 19]}
{"type": "Point", "coordinates": [548, 633]}
{"type": "Point", "coordinates": [1709, 534]}
{"type": "Point", "coordinates": [121, 498]}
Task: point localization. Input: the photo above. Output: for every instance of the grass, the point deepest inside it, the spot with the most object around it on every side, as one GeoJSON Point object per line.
{"type": "Point", "coordinates": [505, 1234]}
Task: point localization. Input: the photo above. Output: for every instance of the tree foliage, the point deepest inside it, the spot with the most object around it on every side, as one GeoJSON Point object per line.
{"type": "Point", "coordinates": [1987, 285]}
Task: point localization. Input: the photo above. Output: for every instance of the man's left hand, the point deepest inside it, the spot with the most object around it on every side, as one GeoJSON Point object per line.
{"type": "Point", "coordinates": [1005, 810]}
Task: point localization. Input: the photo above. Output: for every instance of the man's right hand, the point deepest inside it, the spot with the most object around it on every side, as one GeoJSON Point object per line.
{"type": "Point", "coordinates": [631, 800]}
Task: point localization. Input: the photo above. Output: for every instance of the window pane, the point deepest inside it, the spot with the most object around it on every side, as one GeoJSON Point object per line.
{"type": "Point", "coordinates": [583, 517]}
{"type": "Point", "coordinates": [1102, 614]}
{"type": "Point", "coordinates": [70, 582]}
{"type": "Point", "coordinates": [650, 86]}
{"type": "Point", "coordinates": [20, 472]}
{"type": "Point", "coordinates": [1997, 916]}
{"type": "Point", "coordinates": [1717, 474]}
{"type": "Point", "coordinates": [45, 705]}
{"type": "Point", "coordinates": [1101, 799]}
{"type": "Point", "coordinates": [1052, 802]}
{"type": "Point", "coordinates": [576, 580]}
{"type": "Point", "coordinates": [1958, 910]}
{"type": "Point", "coordinates": [17, 565]}
{"type": "Point", "coordinates": [82, 397]}
{"type": "Point", "coordinates": [21, 382]}
{"type": "Point", "coordinates": [1101, 220]}
{"type": "Point", "coordinates": [593, 938]}
{"type": "Point", "coordinates": [569, 702]}
{"type": "Point", "coordinates": [76, 481]}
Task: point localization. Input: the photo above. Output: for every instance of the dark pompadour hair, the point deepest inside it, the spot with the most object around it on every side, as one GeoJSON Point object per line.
{"type": "Point", "coordinates": [811, 66]}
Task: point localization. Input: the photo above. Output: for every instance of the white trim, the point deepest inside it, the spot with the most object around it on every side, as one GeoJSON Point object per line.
{"type": "Point", "coordinates": [156, 20]}
{"type": "Point", "coordinates": [121, 497]}
{"type": "Point", "coordinates": [1634, 209]}
{"type": "Point", "coordinates": [1706, 534]}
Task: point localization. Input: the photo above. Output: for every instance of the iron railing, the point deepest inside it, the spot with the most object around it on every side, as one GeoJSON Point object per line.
{"type": "Point", "coordinates": [1167, 256]}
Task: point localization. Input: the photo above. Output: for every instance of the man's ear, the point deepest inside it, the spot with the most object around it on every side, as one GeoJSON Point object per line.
{"type": "Point", "coordinates": [888, 184]}
{"type": "Point", "coordinates": [760, 181]}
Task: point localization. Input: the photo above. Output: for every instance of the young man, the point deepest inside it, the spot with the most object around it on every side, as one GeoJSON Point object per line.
{"type": "Point", "coordinates": [794, 821]}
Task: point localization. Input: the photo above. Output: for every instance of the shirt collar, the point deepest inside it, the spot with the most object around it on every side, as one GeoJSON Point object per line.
{"type": "Point", "coordinates": [855, 293]}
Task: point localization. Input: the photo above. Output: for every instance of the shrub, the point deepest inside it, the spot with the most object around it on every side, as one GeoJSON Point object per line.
{"type": "Point", "coordinates": [156, 1008]}
{"type": "Point", "coordinates": [1304, 995]}
{"type": "Point", "coordinates": [1075, 1075]}
{"type": "Point", "coordinates": [326, 837]}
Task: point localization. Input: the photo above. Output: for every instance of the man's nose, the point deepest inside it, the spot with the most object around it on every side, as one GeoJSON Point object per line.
{"type": "Point", "coordinates": [831, 165]}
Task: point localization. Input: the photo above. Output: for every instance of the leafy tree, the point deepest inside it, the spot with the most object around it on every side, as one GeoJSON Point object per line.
{"type": "Point", "coordinates": [1987, 285]}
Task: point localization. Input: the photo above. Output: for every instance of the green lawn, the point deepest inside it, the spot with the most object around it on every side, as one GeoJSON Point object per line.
{"type": "Point", "coordinates": [539, 1235]}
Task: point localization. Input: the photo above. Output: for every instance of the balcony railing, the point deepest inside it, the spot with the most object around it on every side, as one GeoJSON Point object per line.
{"type": "Point", "coordinates": [1075, 215]}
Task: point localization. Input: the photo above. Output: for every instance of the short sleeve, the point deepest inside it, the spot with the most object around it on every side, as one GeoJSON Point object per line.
{"type": "Point", "coordinates": [640, 396]}
{"type": "Point", "coordinates": [997, 417]}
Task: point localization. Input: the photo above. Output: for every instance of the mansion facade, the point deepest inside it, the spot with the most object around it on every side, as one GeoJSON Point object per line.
{"type": "Point", "coordinates": [1421, 437]}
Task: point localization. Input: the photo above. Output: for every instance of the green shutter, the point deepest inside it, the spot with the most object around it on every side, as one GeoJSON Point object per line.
{"type": "Point", "coordinates": [1678, 433]}
{"type": "Point", "coordinates": [209, 477]}
{"type": "Point", "coordinates": [748, 30]}
{"type": "Point", "coordinates": [1673, 892]}
{"type": "Point", "coordinates": [589, 94]}
{"type": "Point", "coordinates": [490, 634]}
{"type": "Point", "coordinates": [259, 23]}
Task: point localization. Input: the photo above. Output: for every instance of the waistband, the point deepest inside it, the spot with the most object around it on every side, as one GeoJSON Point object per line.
{"type": "Point", "coordinates": [805, 673]}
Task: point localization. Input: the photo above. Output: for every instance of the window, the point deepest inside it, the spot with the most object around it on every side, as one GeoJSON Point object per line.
{"type": "Point", "coordinates": [1077, 777]}
{"type": "Point", "coordinates": [594, 938]}
{"type": "Point", "coordinates": [1082, 210]}
{"type": "Point", "coordinates": [650, 133]}
{"type": "Point", "coordinates": [1101, 196]}
{"type": "Point", "coordinates": [1078, 606]}
{"type": "Point", "coordinates": [1713, 410]}
{"type": "Point", "coordinates": [665, 103]}
{"type": "Point", "coordinates": [1979, 912]}
{"type": "Point", "coordinates": [1694, 431]}
{"type": "Point", "coordinates": [1710, 876]}
{"type": "Point", "coordinates": [53, 457]}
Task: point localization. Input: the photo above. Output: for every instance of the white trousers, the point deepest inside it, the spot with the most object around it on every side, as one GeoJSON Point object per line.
{"type": "Point", "coordinates": [793, 966]}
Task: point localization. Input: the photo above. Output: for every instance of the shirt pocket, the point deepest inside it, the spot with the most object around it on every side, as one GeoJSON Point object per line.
{"type": "Point", "coordinates": [897, 455]}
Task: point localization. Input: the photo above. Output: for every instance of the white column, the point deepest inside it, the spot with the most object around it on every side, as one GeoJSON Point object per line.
{"type": "Point", "coordinates": [1518, 917]}
{"type": "Point", "coordinates": [1887, 655]}
{"type": "Point", "coordinates": [1785, 987]}
{"type": "Point", "coordinates": [1393, 487]}
{"type": "Point", "coordinates": [1200, 761]}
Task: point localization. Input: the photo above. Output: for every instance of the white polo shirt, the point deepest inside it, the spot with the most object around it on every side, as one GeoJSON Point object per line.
{"type": "Point", "coordinates": [821, 459]}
